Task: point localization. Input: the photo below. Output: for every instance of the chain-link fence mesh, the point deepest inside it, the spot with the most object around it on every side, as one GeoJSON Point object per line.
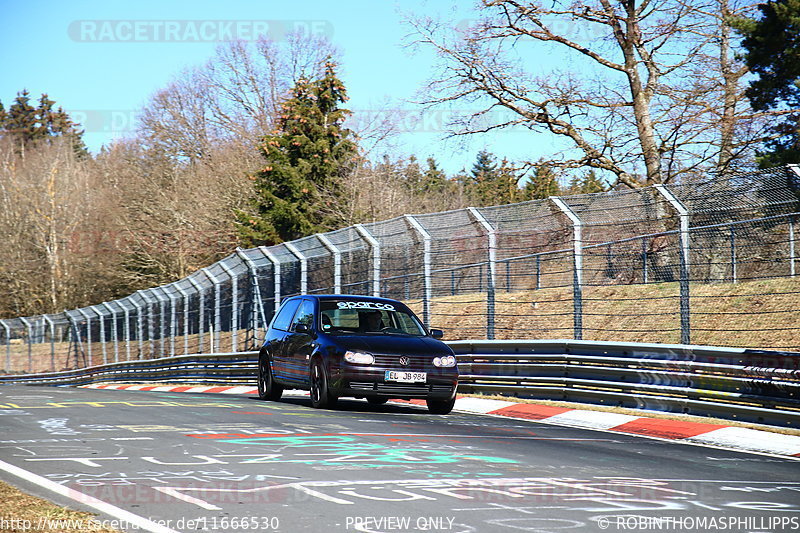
{"type": "Point", "coordinates": [705, 263]}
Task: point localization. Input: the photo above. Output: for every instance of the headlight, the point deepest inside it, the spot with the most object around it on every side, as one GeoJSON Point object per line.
{"type": "Point", "coordinates": [359, 358]}
{"type": "Point", "coordinates": [444, 362]}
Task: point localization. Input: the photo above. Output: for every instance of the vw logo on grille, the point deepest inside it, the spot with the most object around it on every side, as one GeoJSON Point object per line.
{"type": "Point", "coordinates": [405, 361]}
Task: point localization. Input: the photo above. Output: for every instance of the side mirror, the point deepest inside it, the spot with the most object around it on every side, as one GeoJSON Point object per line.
{"type": "Point", "coordinates": [437, 333]}
{"type": "Point", "coordinates": [302, 328]}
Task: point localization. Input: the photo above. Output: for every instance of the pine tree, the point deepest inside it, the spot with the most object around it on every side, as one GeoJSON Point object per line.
{"type": "Point", "coordinates": [542, 184]}
{"type": "Point", "coordinates": [772, 45]}
{"type": "Point", "coordinates": [588, 184]}
{"type": "Point", "coordinates": [28, 124]}
{"type": "Point", "coordinates": [306, 158]}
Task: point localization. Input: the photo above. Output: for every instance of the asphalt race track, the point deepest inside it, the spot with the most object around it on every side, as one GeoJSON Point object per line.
{"type": "Point", "coordinates": [190, 462]}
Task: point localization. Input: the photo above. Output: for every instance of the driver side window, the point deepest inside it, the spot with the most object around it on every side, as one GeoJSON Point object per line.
{"type": "Point", "coordinates": [305, 315]}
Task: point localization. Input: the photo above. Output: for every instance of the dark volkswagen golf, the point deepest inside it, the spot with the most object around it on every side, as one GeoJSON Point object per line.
{"type": "Point", "coordinates": [358, 346]}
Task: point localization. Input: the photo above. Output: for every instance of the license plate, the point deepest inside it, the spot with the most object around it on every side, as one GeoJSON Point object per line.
{"type": "Point", "coordinates": [405, 377]}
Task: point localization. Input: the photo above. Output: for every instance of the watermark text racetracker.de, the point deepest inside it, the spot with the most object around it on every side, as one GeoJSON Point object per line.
{"type": "Point", "coordinates": [698, 523]}
{"type": "Point", "coordinates": [192, 31]}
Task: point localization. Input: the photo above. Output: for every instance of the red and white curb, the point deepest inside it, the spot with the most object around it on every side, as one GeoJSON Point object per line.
{"type": "Point", "coordinates": [738, 438]}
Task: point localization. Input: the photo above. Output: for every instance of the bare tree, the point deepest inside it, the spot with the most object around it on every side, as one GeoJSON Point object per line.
{"type": "Point", "coordinates": [632, 98]}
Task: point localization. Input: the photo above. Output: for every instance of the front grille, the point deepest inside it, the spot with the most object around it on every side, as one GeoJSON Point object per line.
{"type": "Point", "coordinates": [404, 389]}
{"type": "Point", "coordinates": [416, 363]}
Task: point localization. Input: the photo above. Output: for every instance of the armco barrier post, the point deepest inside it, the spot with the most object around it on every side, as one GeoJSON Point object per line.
{"type": "Point", "coordinates": [52, 326]}
{"type": "Point", "coordinates": [217, 326]}
{"type": "Point", "coordinates": [337, 261]}
{"type": "Point", "coordinates": [683, 213]}
{"type": "Point", "coordinates": [234, 305]}
{"type": "Point", "coordinates": [201, 312]}
{"type": "Point", "coordinates": [491, 237]}
{"type": "Point", "coordinates": [100, 317]}
{"type": "Point", "coordinates": [577, 264]}
{"type": "Point", "coordinates": [376, 258]}
{"type": "Point", "coordinates": [426, 268]}
{"type": "Point", "coordinates": [114, 338]}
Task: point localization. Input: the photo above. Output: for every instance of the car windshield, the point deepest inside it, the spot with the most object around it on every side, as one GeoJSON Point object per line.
{"type": "Point", "coordinates": [370, 318]}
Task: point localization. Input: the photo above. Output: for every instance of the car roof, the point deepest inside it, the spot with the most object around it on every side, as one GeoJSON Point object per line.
{"type": "Point", "coordinates": [359, 297]}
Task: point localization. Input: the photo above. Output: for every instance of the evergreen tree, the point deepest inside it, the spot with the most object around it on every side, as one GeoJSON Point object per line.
{"type": "Point", "coordinates": [588, 184]}
{"type": "Point", "coordinates": [481, 182]}
{"type": "Point", "coordinates": [28, 124]}
{"type": "Point", "coordinates": [434, 180]}
{"type": "Point", "coordinates": [542, 184]}
{"type": "Point", "coordinates": [773, 53]}
{"type": "Point", "coordinates": [306, 157]}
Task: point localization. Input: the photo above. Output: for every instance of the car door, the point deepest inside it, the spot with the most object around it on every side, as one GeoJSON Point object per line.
{"type": "Point", "coordinates": [276, 339]}
{"type": "Point", "coordinates": [298, 344]}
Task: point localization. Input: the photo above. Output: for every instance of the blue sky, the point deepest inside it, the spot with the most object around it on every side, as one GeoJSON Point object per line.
{"type": "Point", "coordinates": [41, 50]}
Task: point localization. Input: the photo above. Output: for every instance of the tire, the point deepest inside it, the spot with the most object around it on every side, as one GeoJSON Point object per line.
{"type": "Point", "coordinates": [375, 400]}
{"type": "Point", "coordinates": [321, 396]}
{"type": "Point", "coordinates": [441, 407]}
{"type": "Point", "coordinates": [267, 388]}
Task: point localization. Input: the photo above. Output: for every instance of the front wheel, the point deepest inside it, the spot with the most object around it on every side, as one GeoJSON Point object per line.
{"type": "Point", "coordinates": [267, 388]}
{"type": "Point", "coordinates": [321, 396]}
{"type": "Point", "coordinates": [440, 407]}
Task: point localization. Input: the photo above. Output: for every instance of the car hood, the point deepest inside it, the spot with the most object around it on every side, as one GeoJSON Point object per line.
{"type": "Point", "coordinates": [392, 344]}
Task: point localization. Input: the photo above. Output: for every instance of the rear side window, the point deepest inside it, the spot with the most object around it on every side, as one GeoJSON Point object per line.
{"type": "Point", "coordinates": [305, 315]}
{"type": "Point", "coordinates": [285, 314]}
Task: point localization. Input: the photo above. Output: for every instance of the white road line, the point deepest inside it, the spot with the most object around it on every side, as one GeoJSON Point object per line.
{"type": "Point", "coordinates": [91, 501]}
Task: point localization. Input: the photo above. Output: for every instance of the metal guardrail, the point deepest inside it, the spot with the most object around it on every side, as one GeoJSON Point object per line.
{"type": "Point", "coordinates": [740, 384]}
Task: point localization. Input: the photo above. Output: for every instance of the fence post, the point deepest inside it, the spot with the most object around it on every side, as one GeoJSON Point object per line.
{"type": "Point", "coordinates": [185, 298]}
{"type": "Point", "coordinates": [276, 271]}
{"type": "Point", "coordinates": [734, 276]}
{"type": "Point", "coordinates": [491, 237]}
{"type": "Point", "coordinates": [337, 261]}
{"type": "Point", "coordinates": [150, 327]}
{"type": "Point", "coordinates": [644, 260]}
{"type": "Point", "coordinates": [538, 271]}
{"type": "Point", "coordinates": [139, 327]}
{"type": "Point", "coordinates": [577, 262]}
{"type": "Point", "coordinates": [29, 329]}
{"type": "Point", "coordinates": [217, 327]}
{"type": "Point", "coordinates": [52, 327]}
{"type": "Point", "coordinates": [114, 338]}
{"type": "Point", "coordinates": [162, 314]}
{"type": "Point", "coordinates": [376, 258]}
{"type": "Point", "coordinates": [100, 317]}
{"type": "Point", "coordinates": [88, 335]}
{"type": "Point", "coordinates": [683, 213]}
{"type": "Point", "coordinates": [173, 318]}
{"type": "Point", "coordinates": [792, 254]}
{"type": "Point", "coordinates": [127, 328]}
{"type": "Point", "coordinates": [303, 266]}
{"type": "Point", "coordinates": [426, 268]}
{"type": "Point", "coordinates": [258, 303]}
{"type": "Point", "coordinates": [201, 312]}
{"type": "Point", "coordinates": [7, 329]}
{"type": "Point", "coordinates": [234, 305]}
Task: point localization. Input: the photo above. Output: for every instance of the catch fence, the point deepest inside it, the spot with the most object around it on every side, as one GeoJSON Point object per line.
{"type": "Point", "coordinates": [711, 263]}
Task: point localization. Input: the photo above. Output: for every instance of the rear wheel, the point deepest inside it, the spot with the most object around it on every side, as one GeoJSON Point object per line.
{"type": "Point", "coordinates": [267, 388]}
{"type": "Point", "coordinates": [321, 396]}
{"type": "Point", "coordinates": [440, 407]}
{"type": "Point", "coordinates": [374, 400]}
